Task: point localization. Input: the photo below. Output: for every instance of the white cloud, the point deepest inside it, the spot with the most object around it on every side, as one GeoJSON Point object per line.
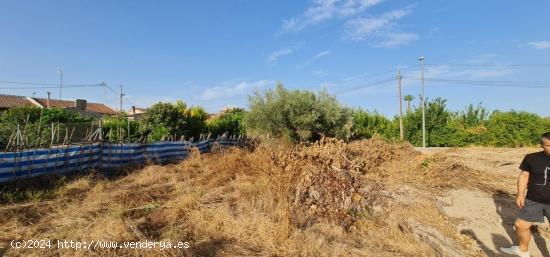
{"type": "Point", "coordinates": [435, 71]}
{"type": "Point", "coordinates": [274, 56]}
{"type": "Point", "coordinates": [540, 44]}
{"type": "Point", "coordinates": [477, 70]}
{"type": "Point", "coordinates": [324, 10]}
{"type": "Point", "coordinates": [290, 24]}
{"type": "Point", "coordinates": [232, 90]}
{"type": "Point", "coordinates": [483, 72]}
{"type": "Point", "coordinates": [318, 56]}
{"type": "Point", "coordinates": [319, 73]}
{"type": "Point", "coordinates": [326, 85]}
{"type": "Point", "coordinates": [397, 39]}
{"type": "Point", "coordinates": [365, 28]}
{"type": "Point", "coordinates": [482, 59]}
{"type": "Point", "coordinates": [380, 30]}
{"type": "Point", "coordinates": [382, 26]}
{"type": "Point", "coordinates": [458, 72]}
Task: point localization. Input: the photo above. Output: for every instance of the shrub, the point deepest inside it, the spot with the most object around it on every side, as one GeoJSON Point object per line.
{"type": "Point", "coordinates": [32, 114]}
{"type": "Point", "coordinates": [297, 115]}
{"type": "Point", "coordinates": [164, 119]}
{"type": "Point", "coordinates": [230, 122]}
{"type": "Point", "coordinates": [439, 131]}
{"type": "Point", "coordinates": [116, 128]}
{"type": "Point", "coordinates": [366, 124]}
{"type": "Point", "coordinates": [21, 115]}
{"type": "Point", "coordinates": [35, 125]}
{"type": "Point", "coordinates": [514, 128]}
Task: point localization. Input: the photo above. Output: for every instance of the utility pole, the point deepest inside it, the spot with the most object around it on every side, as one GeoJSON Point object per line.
{"type": "Point", "coordinates": [421, 59]}
{"type": "Point", "coordinates": [48, 100]}
{"type": "Point", "coordinates": [60, 70]}
{"type": "Point", "coordinates": [119, 130]}
{"type": "Point", "coordinates": [121, 95]}
{"type": "Point", "coordinates": [400, 104]}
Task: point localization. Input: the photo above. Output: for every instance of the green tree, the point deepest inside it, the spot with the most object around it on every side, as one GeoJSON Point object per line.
{"type": "Point", "coordinates": [514, 128]}
{"type": "Point", "coordinates": [366, 124]}
{"type": "Point", "coordinates": [230, 122]}
{"type": "Point", "coordinates": [439, 129]}
{"type": "Point", "coordinates": [32, 114]}
{"type": "Point", "coordinates": [21, 115]}
{"type": "Point", "coordinates": [61, 116]}
{"type": "Point", "coordinates": [473, 116]}
{"type": "Point", "coordinates": [195, 121]}
{"type": "Point", "coordinates": [546, 124]}
{"type": "Point", "coordinates": [167, 115]}
{"type": "Point", "coordinates": [408, 99]}
{"type": "Point", "coordinates": [297, 115]}
{"type": "Point", "coordinates": [34, 124]}
{"type": "Point", "coordinates": [116, 128]}
{"type": "Point", "coordinates": [168, 119]}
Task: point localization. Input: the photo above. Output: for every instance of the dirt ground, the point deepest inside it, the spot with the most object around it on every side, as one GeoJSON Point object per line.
{"type": "Point", "coordinates": [366, 198]}
{"type": "Point", "coordinates": [488, 216]}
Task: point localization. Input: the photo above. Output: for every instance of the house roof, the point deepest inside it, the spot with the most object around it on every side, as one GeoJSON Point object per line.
{"type": "Point", "coordinates": [93, 107]}
{"type": "Point", "coordinates": [9, 101]}
{"type": "Point", "coordinates": [100, 108]}
{"type": "Point", "coordinates": [55, 103]}
{"type": "Point", "coordinates": [138, 110]}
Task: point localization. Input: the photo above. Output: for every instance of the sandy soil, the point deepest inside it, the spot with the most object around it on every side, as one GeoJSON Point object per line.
{"type": "Point", "coordinates": [488, 216]}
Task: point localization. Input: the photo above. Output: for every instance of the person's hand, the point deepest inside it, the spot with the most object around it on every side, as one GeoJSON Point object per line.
{"type": "Point", "coordinates": [520, 201]}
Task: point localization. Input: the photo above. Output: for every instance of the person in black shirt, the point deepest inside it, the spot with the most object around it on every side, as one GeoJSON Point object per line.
{"type": "Point", "coordinates": [533, 195]}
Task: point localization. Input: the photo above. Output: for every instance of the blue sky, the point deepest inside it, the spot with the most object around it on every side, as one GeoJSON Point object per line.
{"type": "Point", "coordinates": [214, 53]}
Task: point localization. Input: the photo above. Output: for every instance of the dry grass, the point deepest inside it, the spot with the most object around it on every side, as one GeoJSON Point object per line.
{"type": "Point", "coordinates": [325, 199]}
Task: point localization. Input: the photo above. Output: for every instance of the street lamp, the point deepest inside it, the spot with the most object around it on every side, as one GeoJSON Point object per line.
{"type": "Point", "coordinates": [60, 71]}
{"type": "Point", "coordinates": [421, 60]}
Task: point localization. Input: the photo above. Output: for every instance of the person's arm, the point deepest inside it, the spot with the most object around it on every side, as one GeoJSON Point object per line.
{"type": "Point", "coordinates": [522, 188]}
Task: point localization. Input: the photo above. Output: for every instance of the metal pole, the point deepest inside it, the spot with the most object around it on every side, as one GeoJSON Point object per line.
{"type": "Point", "coordinates": [421, 59]}
{"type": "Point", "coordinates": [121, 95]}
{"type": "Point", "coordinates": [128, 132]}
{"type": "Point", "coordinates": [48, 100]}
{"type": "Point", "coordinates": [400, 105]}
{"type": "Point", "coordinates": [60, 70]}
{"type": "Point", "coordinates": [119, 130]}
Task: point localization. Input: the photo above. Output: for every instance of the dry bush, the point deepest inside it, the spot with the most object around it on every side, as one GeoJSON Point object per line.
{"type": "Point", "coordinates": [329, 198]}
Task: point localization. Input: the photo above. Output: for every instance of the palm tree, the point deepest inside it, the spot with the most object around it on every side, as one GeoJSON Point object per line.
{"type": "Point", "coordinates": [408, 99]}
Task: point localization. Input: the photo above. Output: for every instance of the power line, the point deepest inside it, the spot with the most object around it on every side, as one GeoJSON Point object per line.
{"type": "Point", "coordinates": [130, 101]}
{"type": "Point", "coordinates": [117, 93]}
{"type": "Point", "coordinates": [48, 84]}
{"type": "Point", "coordinates": [51, 87]}
{"type": "Point", "coordinates": [484, 81]}
{"type": "Point", "coordinates": [497, 83]}
{"type": "Point", "coordinates": [377, 83]}
{"type": "Point", "coordinates": [489, 65]}
{"type": "Point", "coordinates": [40, 85]}
{"type": "Point", "coordinates": [363, 77]}
{"type": "Point", "coordinates": [110, 88]}
{"type": "Point", "coordinates": [367, 76]}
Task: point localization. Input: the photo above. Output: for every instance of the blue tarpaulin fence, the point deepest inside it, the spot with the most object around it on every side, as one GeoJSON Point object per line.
{"type": "Point", "coordinates": [98, 156]}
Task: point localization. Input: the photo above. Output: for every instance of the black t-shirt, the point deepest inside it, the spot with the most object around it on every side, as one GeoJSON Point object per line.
{"type": "Point", "coordinates": [538, 166]}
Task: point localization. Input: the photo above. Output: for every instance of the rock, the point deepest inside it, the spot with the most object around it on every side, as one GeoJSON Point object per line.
{"type": "Point", "coordinates": [443, 246]}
